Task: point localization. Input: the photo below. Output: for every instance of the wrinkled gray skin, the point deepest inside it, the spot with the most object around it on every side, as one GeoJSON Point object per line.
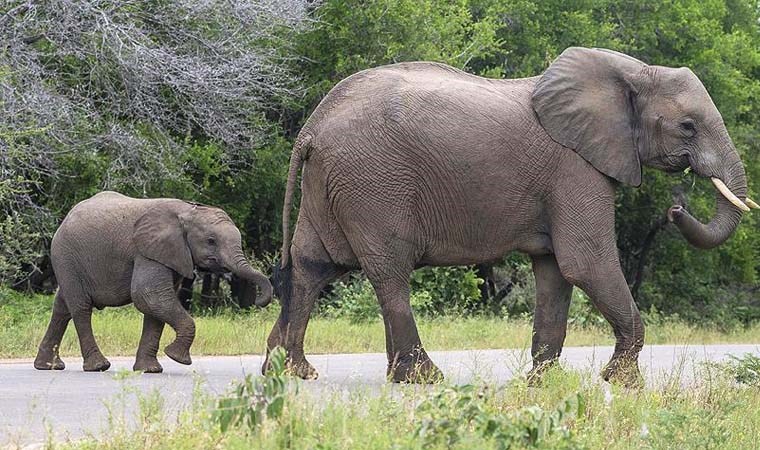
{"type": "Point", "coordinates": [420, 164]}
{"type": "Point", "coordinates": [111, 250]}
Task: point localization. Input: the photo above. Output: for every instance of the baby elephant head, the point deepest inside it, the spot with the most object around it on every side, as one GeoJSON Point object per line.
{"type": "Point", "coordinates": [182, 235]}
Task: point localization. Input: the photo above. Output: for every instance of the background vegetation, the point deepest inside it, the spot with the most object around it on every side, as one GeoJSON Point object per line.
{"type": "Point", "coordinates": [202, 102]}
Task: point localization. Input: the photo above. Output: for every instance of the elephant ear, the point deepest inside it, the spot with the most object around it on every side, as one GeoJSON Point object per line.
{"type": "Point", "coordinates": [586, 101]}
{"type": "Point", "coordinates": [159, 235]}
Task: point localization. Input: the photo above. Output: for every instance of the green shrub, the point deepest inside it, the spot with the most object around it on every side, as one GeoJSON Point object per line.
{"type": "Point", "coordinates": [452, 413]}
{"type": "Point", "coordinates": [449, 290]}
{"type": "Point", "coordinates": [354, 300]}
{"type": "Point", "coordinates": [744, 369]}
{"type": "Point", "coordinates": [255, 398]}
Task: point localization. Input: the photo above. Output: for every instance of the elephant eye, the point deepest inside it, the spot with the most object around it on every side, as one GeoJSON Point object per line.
{"type": "Point", "coordinates": [689, 127]}
{"type": "Point", "coordinates": [211, 241]}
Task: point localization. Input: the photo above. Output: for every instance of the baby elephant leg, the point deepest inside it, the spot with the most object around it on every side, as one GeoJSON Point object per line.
{"type": "Point", "coordinates": [47, 354]}
{"type": "Point", "coordinates": [154, 294]}
{"type": "Point", "coordinates": [147, 360]}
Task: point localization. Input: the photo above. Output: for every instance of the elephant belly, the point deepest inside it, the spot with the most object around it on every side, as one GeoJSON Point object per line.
{"type": "Point", "coordinates": [488, 249]}
{"type": "Point", "coordinates": [112, 292]}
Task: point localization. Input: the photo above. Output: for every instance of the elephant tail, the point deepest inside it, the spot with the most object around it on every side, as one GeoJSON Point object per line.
{"type": "Point", "coordinates": [296, 161]}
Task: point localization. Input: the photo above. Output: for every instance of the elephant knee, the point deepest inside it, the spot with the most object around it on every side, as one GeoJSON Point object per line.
{"type": "Point", "coordinates": [574, 273]}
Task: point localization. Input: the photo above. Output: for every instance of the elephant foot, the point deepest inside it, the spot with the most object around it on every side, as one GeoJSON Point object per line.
{"type": "Point", "coordinates": [48, 361]}
{"type": "Point", "coordinates": [297, 367]}
{"type": "Point", "coordinates": [97, 363]}
{"type": "Point", "coordinates": [179, 353]}
{"type": "Point", "coordinates": [147, 365]}
{"type": "Point", "coordinates": [536, 375]}
{"type": "Point", "coordinates": [414, 368]}
{"type": "Point", "coordinates": [301, 368]}
{"type": "Point", "coordinates": [624, 371]}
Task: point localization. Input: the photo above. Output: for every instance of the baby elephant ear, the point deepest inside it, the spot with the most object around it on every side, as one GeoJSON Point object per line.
{"type": "Point", "coordinates": [159, 235]}
{"type": "Point", "coordinates": [586, 101]}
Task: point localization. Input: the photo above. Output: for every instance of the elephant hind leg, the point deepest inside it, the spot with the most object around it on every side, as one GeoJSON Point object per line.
{"type": "Point", "coordinates": [72, 302]}
{"type": "Point", "coordinates": [154, 295]}
{"type": "Point", "coordinates": [298, 286]}
{"type": "Point", "coordinates": [94, 361]}
{"type": "Point", "coordinates": [553, 295]}
{"type": "Point", "coordinates": [407, 360]}
{"type": "Point", "coordinates": [47, 354]}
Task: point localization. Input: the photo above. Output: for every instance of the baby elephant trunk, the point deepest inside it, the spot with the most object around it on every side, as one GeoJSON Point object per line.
{"type": "Point", "coordinates": [241, 268]}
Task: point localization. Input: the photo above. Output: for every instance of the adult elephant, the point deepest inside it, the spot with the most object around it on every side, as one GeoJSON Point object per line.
{"type": "Point", "coordinates": [111, 250]}
{"type": "Point", "coordinates": [420, 164]}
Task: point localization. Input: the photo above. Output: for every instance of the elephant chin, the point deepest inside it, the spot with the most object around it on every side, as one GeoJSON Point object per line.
{"type": "Point", "coordinates": [730, 207]}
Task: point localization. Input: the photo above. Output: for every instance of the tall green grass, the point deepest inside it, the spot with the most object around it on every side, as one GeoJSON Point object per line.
{"type": "Point", "coordinates": [570, 410]}
{"type": "Point", "coordinates": [23, 320]}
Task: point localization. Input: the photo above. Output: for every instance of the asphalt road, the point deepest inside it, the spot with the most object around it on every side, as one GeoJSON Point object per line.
{"type": "Point", "coordinates": [70, 404]}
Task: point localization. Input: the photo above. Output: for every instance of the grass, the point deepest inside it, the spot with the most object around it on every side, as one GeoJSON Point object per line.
{"type": "Point", "coordinates": [23, 320]}
{"type": "Point", "coordinates": [568, 411]}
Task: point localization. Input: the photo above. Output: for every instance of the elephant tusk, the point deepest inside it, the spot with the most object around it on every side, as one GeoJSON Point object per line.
{"type": "Point", "coordinates": [748, 201]}
{"type": "Point", "coordinates": [721, 186]}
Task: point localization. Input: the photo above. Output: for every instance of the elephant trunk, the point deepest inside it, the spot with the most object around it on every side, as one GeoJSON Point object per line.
{"type": "Point", "coordinates": [731, 184]}
{"type": "Point", "coordinates": [241, 268]}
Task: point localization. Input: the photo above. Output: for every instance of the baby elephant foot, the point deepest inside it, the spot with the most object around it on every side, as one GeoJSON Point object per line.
{"type": "Point", "coordinates": [97, 363]}
{"type": "Point", "coordinates": [414, 368]}
{"type": "Point", "coordinates": [48, 360]}
{"type": "Point", "coordinates": [147, 365]}
{"type": "Point", "coordinates": [179, 353]}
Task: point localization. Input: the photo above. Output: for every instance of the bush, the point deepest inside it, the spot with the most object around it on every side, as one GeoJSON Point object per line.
{"type": "Point", "coordinates": [353, 299]}
{"type": "Point", "coordinates": [255, 398]}
{"type": "Point", "coordinates": [744, 369]}
{"type": "Point", "coordinates": [446, 290]}
{"type": "Point", "coordinates": [434, 291]}
{"type": "Point", "coordinates": [447, 416]}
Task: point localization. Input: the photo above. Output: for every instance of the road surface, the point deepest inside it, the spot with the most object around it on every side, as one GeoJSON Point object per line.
{"type": "Point", "coordinates": [70, 404]}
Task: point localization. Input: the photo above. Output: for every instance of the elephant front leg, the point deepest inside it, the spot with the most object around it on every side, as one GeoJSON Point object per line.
{"type": "Point", "coordinates": [553, 295]}
{"type": "Point", "coordinates": [146, 360]}
{"type": "Point", "coordinates": [584, 244]}
{"type": "Point", "coordinates": [608, 290]}
{"type": "Point", "coordinates": [610, 294]}
{"type": "Point", "coordinates": [154, 295]}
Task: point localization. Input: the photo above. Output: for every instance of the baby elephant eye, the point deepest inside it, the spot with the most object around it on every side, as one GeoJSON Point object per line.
{"type": "Point", "coordinates": [211, 241]}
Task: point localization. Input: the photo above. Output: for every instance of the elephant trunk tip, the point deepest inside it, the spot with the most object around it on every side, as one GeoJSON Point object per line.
{"type": "Point", "coordinates": [265, 295]}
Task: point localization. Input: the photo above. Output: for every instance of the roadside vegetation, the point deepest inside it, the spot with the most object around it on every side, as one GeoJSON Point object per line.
{"type": "Point", "coordinates": [229, 331]}
{"type": "Point", "coordinates": [568, 411]}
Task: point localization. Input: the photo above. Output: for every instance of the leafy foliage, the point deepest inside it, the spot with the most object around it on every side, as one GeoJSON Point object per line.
{"type": "Point", "coordinates": [255, 398]}
{"type": "Point", "coordinates": [744, 369]}
{"type": "Point", "coordinates": [448, 415]}
{"type": "Point", "coordinates": [449, 290]}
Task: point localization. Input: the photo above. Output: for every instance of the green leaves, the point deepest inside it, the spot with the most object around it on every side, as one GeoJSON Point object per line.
{"type": "Point", "coordinates": [450, 414]}
{"type": "Point", "coordinates": [255, 399]}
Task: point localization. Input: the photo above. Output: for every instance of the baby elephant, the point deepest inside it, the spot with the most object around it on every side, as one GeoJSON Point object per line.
{"type": "Point", "coordinates": [111, 250]}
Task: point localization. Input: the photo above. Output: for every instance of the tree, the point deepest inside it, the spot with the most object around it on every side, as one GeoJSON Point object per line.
{"type": "Point", "coordinates": [150, 98]}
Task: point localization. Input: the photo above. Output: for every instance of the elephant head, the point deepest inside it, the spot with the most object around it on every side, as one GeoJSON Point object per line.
{"type": "Point", "coordinates": [181, 235]}
{"type": "Point", "coordinates": [619, 113]}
